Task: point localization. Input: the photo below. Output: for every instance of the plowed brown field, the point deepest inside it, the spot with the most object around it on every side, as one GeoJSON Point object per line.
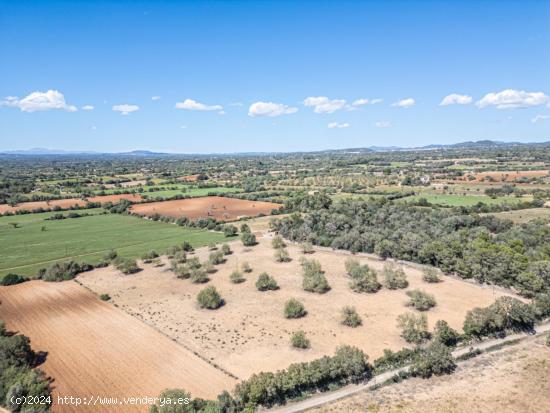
{"type": "Point", "coordinates": [95, 349]}
{"type": "Point", "coordinates": [67, 203]}
{"type": "Point", "coordinates": [219, 207]}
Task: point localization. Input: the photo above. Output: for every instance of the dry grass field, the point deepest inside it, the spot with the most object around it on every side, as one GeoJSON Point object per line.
{"type": "Point", "coordinates": [522, 216]}
{"type": "Point", "coordinates": [95, 349]}
{"type": "Point", "coordinates": [218, 207]}
{"type": "Point", "coordinates": [510, 176]}
{"type": "Point", "coordinates": [250, 334]}
{"type": "Point", "coordinates": [67, 203]}
{"type": "Point", "coordinates": [511, 380]}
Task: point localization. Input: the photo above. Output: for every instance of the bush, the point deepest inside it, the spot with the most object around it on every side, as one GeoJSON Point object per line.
{"type": "Point", "coordinates": [294, 309]}
{"type": "Point", "coordinates": [198, 276]}
{"type": "Point", "coordinates": [436, 359]}
{"type": "Point", "coordinates": [444, 334]}
{"type": "Point", "coordinates": [314, 279]}
{"type": "Point", "coordinates": [208, 267]}
{"type": "Point", "coordinates": [307, 248]}
{"type": "Point", "coordinates": [193, 263]}
{"type": "Point", "coordinates": [236, 277]}
{"type": "Point", "coordinates": [182, 271]}
{"type": "Point", "coordinates": [216, 257]}
{"type": "Point", "coordinates": [281, 255]}
{"type": "Point", "coordinates": [210, 298]}
{"type": "Point", "coordinates": [229, 230]}
{"type": "Point", "coordinates": [226, 250]}
{"type": "Point", "coordinates": [299, 340]}
{"type": "Point", "coordinates": [364, 278]}
{"type": "Point", "coordinates": [266, 282]}
{"type": "Point", "coordinates": [126, 265]}
{"type": "Point", "coordinates": [431, 275]}
{"type": "Point", "coordinates": [180, 257]}
{"type": "Point", "coordinates": [541, 306]}
{"type": "Point", "coordinates": [394, 277]}
{"type": "Point", "coordinates": [110, 256]}
{"type": "Point", "coordinates": [414, 329]}
{"type": "Point", "coordinates": [245, 228]}
{"type": "Point", "coordinates": [278, 242]}
{"type": "Point", "coordinates": [393, 360]}
{"type": "Point", "coordinates": [61, 271]}
{"type": "Point", "coordinates": [104, 297]}
{"type": "Point", "coordinates": [421, 300]}
{"type": "Point", "coordinates": [246, 267]}
{"type": "Point", "coordinates": [149, 256]}
{"type": "Point", "coordinates": [350, 317]}
{"type": "Point", "coordinates": [12, 279]}
{"type": "Point", "coordinates": [248, 239]}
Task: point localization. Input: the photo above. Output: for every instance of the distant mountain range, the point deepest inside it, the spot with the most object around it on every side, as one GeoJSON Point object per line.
{"type": "Point", "coordinates": [145, 153]}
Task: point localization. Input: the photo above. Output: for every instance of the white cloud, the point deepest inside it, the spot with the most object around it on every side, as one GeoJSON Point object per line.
{"type": "Point", "coordinates": [125, 109]}
{"type": "Point", "coordinates": [404, 103]}
{"type": "Point", "coordinates": [93, 128]}
{"type": "Point", "coordinates": [155, 97]}
{"type": "Point", "coordinates": [40, 101]}
{"type": "Point", "coordinates": [383, 124]}
{"type": "Point", "coordinates": [363, 101]}
{"type": "Point", "coordinates": [513, 99]}
{"type": "Point", "coordinates": [323, 104]}
{"type": "Point", "coordinates": [270, 109]}
{"type": "Point", "coordinates": [190, 104]}
{"type": "Point", "coordinates": [334, 125]}
{"type": "Point", "coordinates": [539, 118]}
{"type": "Point", "coordinates": [456, 99]}
{"type": "Point", "coordinates": [87, 107]}
{"type": "Point", "coordinates": [184, 126]}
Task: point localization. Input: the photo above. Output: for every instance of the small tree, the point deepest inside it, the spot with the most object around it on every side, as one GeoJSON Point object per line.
{"type": "Point", "coordinates": [182, 271]}
{"type": "Point", "coordinates": [430, 275]}
{"type": "Point", "coordinates": [246, 267]}
{"type": "Point", "coordinates": [436, 359]}
{"type": "Point", "coordinates": [266, 282]}
{"type": "Point", "coordinates": [444, 334]}
{"type": "Point", "coordinates": [236, 277]}
{"type": "Point", "coordinates": [198, 276]}
{"type": "Point", "coordinates": [209, 298]}
{"type": "Point", "coordinates": [104, 297]}
{"type": "Point", "coordinates": [127, 266]}
{"type": "Point", "coordinates": [248, 239]}
{"type": "Point", "coordinates": [149, 256]}
{"type": "Point", "coordinates": [245, 228]}
{"type": "Point", "coordinates": [226, 250]}
{"type": "Point", "coordinates": [180, 257]}
{"type": "Point", "coordinates": [294, 309]}
{"type": "Point", "coordinates": [307, 248]}
{"type": "Point", "coordinates": [414, 329]}
{"type": "Point", "coordinates": [351, 265]}
{"type": "Point", "coordinates": [421, 300]}
{"type": "Point", "coordinates": [278, 242]}
{"type": "Point", "coordinates": [299, 340]}
{"type": "Point", "coordinates": [194, 262]}
{"type": "Point", "coordinates": [394, 277]}
{"type": "Point", "coordinates": [208, 267]}
{"type": "Point", "coordinates": [230, 230]}
{"type": "Point", "coordinates": [316, 283]}
{"type": "Point", "coordinates": [350, 317]}
{"type": "Point", "coordinates": [281, 255]}
{"type": "Point", "coordinates": [216, 257]}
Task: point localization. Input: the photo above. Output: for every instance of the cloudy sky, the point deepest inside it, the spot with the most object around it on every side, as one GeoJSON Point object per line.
{"type": "Point", "coordinates": [226, 76]}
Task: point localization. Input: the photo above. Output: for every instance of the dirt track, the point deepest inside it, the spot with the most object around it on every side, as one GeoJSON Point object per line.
{"type": "Point", "coordinates": [95, 349]}
{"type": "Point", "coordinates": [221, 208]}
{"type": "Point", "coordinates": [67, 203]}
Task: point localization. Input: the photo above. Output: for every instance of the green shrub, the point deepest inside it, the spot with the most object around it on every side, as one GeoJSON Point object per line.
{"type": "Point", "coordinates": [431, 275]}
{"type": "Point", "coordinates": [246, 267]}
{"type": "Point", "coordinates": [245, 228]}
{"type": "Point", "coordinates": [350, 317]}
{"type": "Point", "coordinates": [180, 257]}
{"type": "Point", "coordinates": [351, 265]}
{"type": "Point", "coordinates": [126, 265]}
{"type": "Point", "coordinates": [193, 262]}
{"type": "Point", "coordinates": [307, 248]}
{"type": "Point", "coordinates": [209, 298]}
{"type": "Point", "coordinates": [278, 242]}
{"type": "Point", "coordinates": [299, 340]}
{"type": "Point", "coordinates": [436, 359]}
{"type": "Point", "coordinates": [392, 360]}
{"type": "Point", "coordinates": [12, 279]}
{"type": "Point", "coordinates": [110, 256]}
{"type": "Point", "coordinates": [216, 257]}
{"type": "Point", "coordinates": [198, 276]}
{"type": "Point", "coordinates": [314, 279]}
{"type": "Point", "coordinates": [394, 277]}
{"type": "Point", "coordinates": [365, 283]}
{"type": "Point", "coordinates": [226, 250]}
{"type": "Point", "coordinates": [182, 271]}
{"type": "Point", "coordinates": [208, 267]}
{"type": "Point", "coordinates": [281, 255]}
{"type": "Point", "coordinates": [444, 334]}
{"type": "Point", "coordinates": [230, 230]}
{"type": "Point", "coordinates": [236, 277]}
{"type": "Point", "coordinates": [61, 271]}
{"type": "Point", "coordinates": [149, 256]}
{"type": "Point", "coordinates": [248, 239]}
{"type": "Point", "coordinates": [294, 309]}
{"type": "Point", "coordinates": [541, 306]}
{"type": "Point", "coordinates": [266, 282]}
{"type": "Point", "coordinates": [421, 300]}
{"type": "Point", "coordinates": [104, 297]}
{"type": "Point", "coordinates": [414, 329]}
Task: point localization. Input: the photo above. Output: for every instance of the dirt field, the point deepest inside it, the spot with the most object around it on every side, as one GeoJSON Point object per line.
{"type": "Point", "coordinates": [95, 349]}
{"type": "Point", "coordinates": [510, 176]}
{"type": "Point", "coordinates": [250, 334]}
{"type": "Point", "coordinates": [511, 380]}
{"type": "Point", "coordinates": [221, 208]}
{"type": "Point", "coordinates": [67, 203]}
{"type": "Point", "coordinates": [522, 216]}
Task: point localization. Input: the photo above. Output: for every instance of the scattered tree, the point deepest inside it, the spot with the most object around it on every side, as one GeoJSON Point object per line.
{"type": "Point", "coordinates": [236, 277]}
{"type": "Point", "coordinates": [414, 329]}
{"type": "Point", "coordinates": [281, 255]}
{"type": "Point", "coordinates": [436, 359]}
{"type": "Point", "coordinates": [278, 242]}
{"type": "Point", "coordinates": [444, 334]}
{"type": "Point", "coordinates": [210, 298]}
{"type": "Point", "coordinates": [394, 277]}
{"type": "Point", "coordinates": [248, 239]}
{"type": "Point", "coordinates": [294, 309]}
{"type": "Point", "coordinates": [421, 300]}
{"type": "Point", "coordinates": [299, 340]}
{"type": "Point", "coordinates": [350, 317]}
{"type": "Point", "coordinates": [266, 282]}
{"type": "Point", "coordinates": [431, 275]}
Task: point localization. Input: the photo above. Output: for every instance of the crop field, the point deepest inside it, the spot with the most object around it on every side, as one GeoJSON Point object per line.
{"type": "Point", "coordinates": [221, 208]}
{"type": "Point", "coordinates": [510, 176]}
{"type": "Point", "coordinates": [67, 203]}
{"type": "Point", "coordinates": [95, 349]}
{"type": "Point", "coordinates": [250, 334]}
{"type": "Point", "coordinates": [522, 216]}
{"type": "Point", "coordinates": [36, 243]}
{"type": "Point", "coordinates": [465, 200]}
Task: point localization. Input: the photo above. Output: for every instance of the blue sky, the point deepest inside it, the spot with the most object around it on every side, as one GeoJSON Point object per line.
{"type": "Point", "coordinates": [271, 75]}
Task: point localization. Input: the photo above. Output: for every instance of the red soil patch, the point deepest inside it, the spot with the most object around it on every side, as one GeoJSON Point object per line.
{"type": "Point", "coordinates": [218, 207]}
{"type": "Point", "coordinates": [95, 349]}
{"type": "Point", "coordinates": [67, 203]}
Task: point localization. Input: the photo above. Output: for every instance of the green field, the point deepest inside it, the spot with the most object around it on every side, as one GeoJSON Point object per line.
{"type": "Point", "coordinates": [166, 192]}
{"type": "Point", "coordinates": [465, 200]}
{"type": "Point", "coordinates": [28, 248]}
